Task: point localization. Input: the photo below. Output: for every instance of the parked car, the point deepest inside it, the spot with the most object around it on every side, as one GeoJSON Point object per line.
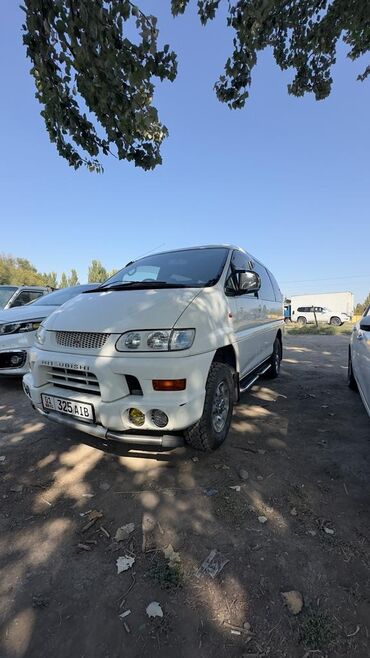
{"type": "Point", "coordinates": [359, 359]}
{"type": "Point", "coordinates": [332, 307]}
{"type": "Point", "coordinates": [162, 349]}
{"type": "Point", "coordinates": [11, 296]}
{"type": "Point", "coordinates": [306, 315]}
{"type": "Point", "coordinates": [18, 328]}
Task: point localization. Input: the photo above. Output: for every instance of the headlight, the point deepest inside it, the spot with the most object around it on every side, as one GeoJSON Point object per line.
{"type": "Point", "coordinates": [160, 340]}
{"type": "Point", "coordinates": [19, 327]}
{"type": "Point", "coordinates": [40, 335]}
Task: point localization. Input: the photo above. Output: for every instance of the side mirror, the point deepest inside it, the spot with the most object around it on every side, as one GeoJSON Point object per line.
{"type": "Point", "coordinates": [365, 323]}
{"type": "Point", "coordinates": [249, 281]}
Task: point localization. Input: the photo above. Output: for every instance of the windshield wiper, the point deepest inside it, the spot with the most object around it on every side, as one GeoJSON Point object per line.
{"type": "Point", "coordinates": [141, 285]}
{"type": "Point", "coordinates": [112, 286]}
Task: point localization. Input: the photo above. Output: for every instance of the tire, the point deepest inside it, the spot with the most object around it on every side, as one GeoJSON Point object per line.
{"type": "Point", "coordinates": [301, 319]}
{"type": "Point", "coordinates": [335, 321]}
{"type": "Point", "coordinates": [211, 430]}
{"type": "Point", "coordinates": [350, 376]}
{"type": "Point", "coordinates": [275, 360]}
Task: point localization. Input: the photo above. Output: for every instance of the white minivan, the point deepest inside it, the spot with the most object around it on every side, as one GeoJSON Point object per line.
{"type": "Point", "coordinates": [161, 350]}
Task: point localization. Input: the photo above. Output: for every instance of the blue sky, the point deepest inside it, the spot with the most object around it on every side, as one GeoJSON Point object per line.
{"type": "Point", "coordinates": [286, 178]}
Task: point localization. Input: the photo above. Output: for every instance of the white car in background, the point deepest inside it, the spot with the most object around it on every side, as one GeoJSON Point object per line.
{"type": "Point", "coordinates": [306, 315]}
{"type": "Point", "coordinates": [13, 296]}
{"type": "Point", "coordinates": [359, 359]}
{"type": "Point", "coordinates": [19, 325]}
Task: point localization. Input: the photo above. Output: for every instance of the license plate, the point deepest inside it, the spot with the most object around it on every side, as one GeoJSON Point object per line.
{"type": "Point", "coordinates": [80, 410]}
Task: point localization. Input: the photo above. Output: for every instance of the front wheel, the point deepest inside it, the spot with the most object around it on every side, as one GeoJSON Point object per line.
{"type": "Point", "coordinates": [275, 360]}
{"type": "Point", "coordinates": [212, 428]}
{"type": "Point", "coordinates": [350, 376]}
{"type": "Point", "coordinates": [335, 321]}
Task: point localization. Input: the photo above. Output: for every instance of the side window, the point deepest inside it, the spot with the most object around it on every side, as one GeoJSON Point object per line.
{"type": "Point", "coordinates": [275, 285]}
{"type": "Point", "coordinates": [239, 261]}
{"type": "Point", "coordinates": [230, 283]}
{"type": "Point", "coordinates": [266, 291]}
{"type": "Point", "coordinates": [26, 296]}
{"type": "Point", "coordinates": [35, 295]}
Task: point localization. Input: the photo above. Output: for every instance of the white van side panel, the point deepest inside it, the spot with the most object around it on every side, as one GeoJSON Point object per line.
{"type": "Point", "coordinates": [211, 314]}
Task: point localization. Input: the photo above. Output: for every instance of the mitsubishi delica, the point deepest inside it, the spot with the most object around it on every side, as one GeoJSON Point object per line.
{"type": "Point", "coordinates": [162, 350]}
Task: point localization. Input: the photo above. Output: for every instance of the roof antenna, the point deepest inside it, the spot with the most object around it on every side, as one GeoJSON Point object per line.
{"type": "Point", "coordinates": [151, 251]}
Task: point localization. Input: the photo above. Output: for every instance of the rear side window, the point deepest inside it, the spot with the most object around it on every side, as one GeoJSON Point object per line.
{"type": "Point", "coordinates": [266, 291]}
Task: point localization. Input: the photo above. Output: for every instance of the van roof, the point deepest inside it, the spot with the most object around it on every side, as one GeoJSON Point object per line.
{"type": "Point", "coordinates": [203, 246]}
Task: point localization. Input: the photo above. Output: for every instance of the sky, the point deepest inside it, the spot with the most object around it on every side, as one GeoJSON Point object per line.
{"type": "Point", "coordinates": [285, 178]}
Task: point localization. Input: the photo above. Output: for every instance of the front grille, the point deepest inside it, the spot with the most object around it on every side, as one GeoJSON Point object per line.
{"type": "Point", "coordinates": [81, 339]}
{"type": "Point", "coordinates": [75, 380]}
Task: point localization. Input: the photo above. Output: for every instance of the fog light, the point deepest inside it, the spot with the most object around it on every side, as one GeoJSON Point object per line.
{"type": "Point", "coordinates": [136, 417]}
{"type": "Point", "coordinates": [16, 359]}
{"type": "Point", "coordinates": [159, 418]}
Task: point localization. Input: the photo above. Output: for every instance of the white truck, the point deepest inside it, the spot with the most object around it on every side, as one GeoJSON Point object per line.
{"type": "Point", "coordinates": [331, 308]}
{"type": "Point", "coordinates": [164, 347]}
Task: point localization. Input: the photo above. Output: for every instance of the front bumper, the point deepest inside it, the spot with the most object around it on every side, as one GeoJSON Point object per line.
{"type": "Point", "coordinates": [162, 440]}
{"type": "Point", "coordinates": [20, 365]}
{"type": "Point", "coordinates": [15, 345]}
{"type": "Point", "coordinates": [112, 405]}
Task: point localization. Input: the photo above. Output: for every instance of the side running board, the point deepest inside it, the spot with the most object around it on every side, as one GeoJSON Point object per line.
{"type": "Point", "coordinates": [247, 382]}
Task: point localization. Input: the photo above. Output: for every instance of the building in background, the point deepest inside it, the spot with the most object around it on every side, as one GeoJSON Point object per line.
{"type": "Point", "coordinates": [331, 307]}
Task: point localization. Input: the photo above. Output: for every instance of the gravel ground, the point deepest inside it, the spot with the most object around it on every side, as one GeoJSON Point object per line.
{"type": "Point", "coordinates": [298, 454]}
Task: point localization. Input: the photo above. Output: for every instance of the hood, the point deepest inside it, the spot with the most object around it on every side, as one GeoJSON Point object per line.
{"type": "Point", "coordinates": [24, 313]}
{"type": "Point", "coordinates": [116, 311]}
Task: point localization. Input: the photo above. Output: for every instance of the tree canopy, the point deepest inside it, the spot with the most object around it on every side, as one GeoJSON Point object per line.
{"type": "Point", "coordinates": [19, 272]}
{"type": "Point", "coordinates": [95, 62]}
{"type": "Point", "coordinates": [360, 308]}
{"type": "Point", "coordinates": [73, 279]}
{"type": "Point", "coordinates": [97, 273]}
{"type": "Point", "coordinates": [63, 283]}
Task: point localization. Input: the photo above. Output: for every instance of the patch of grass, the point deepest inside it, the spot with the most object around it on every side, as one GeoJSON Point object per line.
{"type": "Point", "coordinates": [168, 576]}
{"type": "Point", "coordinates": [321, 330]}
{"type": "Point", "coordinates": [317, 630]}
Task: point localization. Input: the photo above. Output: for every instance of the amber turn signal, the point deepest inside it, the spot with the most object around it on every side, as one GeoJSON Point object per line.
{"type": "Point", "coordinates": [169, 384]}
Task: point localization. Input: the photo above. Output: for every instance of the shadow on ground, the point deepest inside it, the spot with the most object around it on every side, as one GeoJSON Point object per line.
{"type": "Point", "coordinates": [304, 442]}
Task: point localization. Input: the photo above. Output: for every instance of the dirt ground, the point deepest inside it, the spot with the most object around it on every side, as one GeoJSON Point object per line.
{"type": "Point", "coordinates": [304, 442]}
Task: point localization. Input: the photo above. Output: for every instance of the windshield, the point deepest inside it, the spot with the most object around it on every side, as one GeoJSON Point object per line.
{"type": "Point", "coordinates": [191, 268]}
{"type": "Point", "coordinates": [62, 296]}
{"type": "Point", "coordinates": [5, 294]}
